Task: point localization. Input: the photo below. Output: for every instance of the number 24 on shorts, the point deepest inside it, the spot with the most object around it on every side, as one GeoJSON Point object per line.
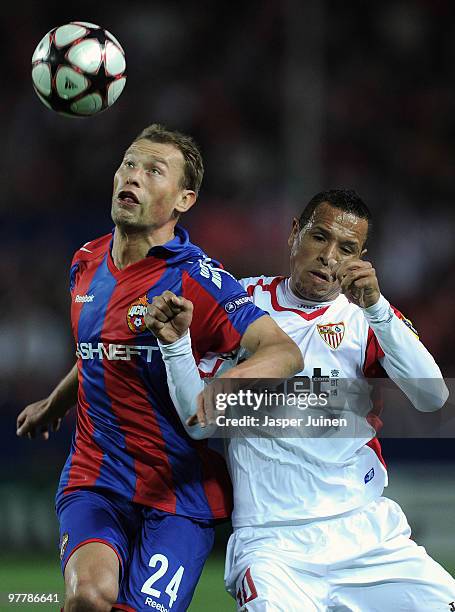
{"type": "Point", "coordinates": [172, 586]}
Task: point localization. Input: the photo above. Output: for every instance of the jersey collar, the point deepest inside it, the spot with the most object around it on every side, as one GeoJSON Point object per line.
{"type": "Point", "coordinates": [179, 243]}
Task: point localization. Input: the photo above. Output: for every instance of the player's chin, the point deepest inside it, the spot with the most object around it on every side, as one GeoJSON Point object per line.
{"type": "Point", "coordinates": [124, 215]}
{"type": "Point", "coordinates": [319, 292]}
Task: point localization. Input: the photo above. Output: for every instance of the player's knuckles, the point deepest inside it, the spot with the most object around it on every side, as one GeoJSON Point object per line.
{"type": "Point", "coordinates": [162, 303]}
{"type": "Point", "coordinates": [345, 277]}
{"type": "Point", "coordinates": [361, 283]}
{"type": "Point", "coordinates": [158, 302]}
{"type": "Point", "coordinates": [359, 273]}
{"type": "Point", "coordinates": [356, 267]}
{"type": "Point", "coordinates": [162, 308]}
{"type": "Point", "coordinates": [167, 295]}
{"type": "Point", "coordinates": [344, 268]}
{"type": "Point", "coordinates": [155, 313]}
{"type": "Point", "coordinates": [151, 309]}
{"type": "Point", "coordinates": [345, 283]}
{"type": "Point", "coordinates": [156, 326]}
{"type": "Point", "coordinates": [188, 307]}
{"type": "Point", "coordinates": [187, 304]}
{"type": "Point", "coordinates": [151, 321]}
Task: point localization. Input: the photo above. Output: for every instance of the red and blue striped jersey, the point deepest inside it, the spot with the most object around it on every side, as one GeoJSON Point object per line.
{"type": "Point", "coordinates": [129, 439]}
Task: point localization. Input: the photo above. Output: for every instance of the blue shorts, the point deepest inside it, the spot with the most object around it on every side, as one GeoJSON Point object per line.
{"type": "Point", "coordinates": [161, 555]}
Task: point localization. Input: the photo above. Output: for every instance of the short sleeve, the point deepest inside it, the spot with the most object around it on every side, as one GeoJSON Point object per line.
{"type": "Point", "coordinates": [222, 309]}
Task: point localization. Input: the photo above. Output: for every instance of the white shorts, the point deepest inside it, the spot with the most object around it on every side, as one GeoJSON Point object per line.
{"type": "Point", "coordinates": [363, 561]}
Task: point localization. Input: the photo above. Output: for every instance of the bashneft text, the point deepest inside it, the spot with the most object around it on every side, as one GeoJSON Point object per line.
{"type": "Point", "coordinates": [113, 352]}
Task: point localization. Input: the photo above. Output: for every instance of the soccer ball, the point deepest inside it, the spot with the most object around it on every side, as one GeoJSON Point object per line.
{"type": "Point", "coordinates": [78, 69]}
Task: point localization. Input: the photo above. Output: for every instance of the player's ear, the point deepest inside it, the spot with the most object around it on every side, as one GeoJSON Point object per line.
{"type": "Point", "coordinates": [187, 199]}
{"type": "Point", "coordinates": [294, 231]}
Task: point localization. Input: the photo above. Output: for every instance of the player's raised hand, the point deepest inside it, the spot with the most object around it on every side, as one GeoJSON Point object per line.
{"type": "Point", "coordinates": [37, 419]}
{"type": "Point", "coordinates": [358, 281]}
{"type": "Point", "coordinates": [169, 316]}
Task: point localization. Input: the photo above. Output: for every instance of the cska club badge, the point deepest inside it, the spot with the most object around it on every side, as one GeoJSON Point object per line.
{"type": "Point", "coordinates": [332, 334]}
{"type": "Point", "coordinates": [135, 315]}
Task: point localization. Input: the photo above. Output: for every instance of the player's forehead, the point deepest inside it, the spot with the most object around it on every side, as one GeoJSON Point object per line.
{"type": "Point", "coordinates": [341, 223]}
{"type": "Point", "coordinates": [146, 150]}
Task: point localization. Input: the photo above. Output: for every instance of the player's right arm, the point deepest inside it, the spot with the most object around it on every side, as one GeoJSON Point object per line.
{"type": "Point", "coordinates": [399, 350]}
{"type": "Point", "coordinates": [169, 316]}
{"type": "Point", "coordinates": [46, 415]}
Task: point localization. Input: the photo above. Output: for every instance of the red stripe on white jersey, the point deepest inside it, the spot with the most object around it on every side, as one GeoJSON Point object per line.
{"type": "Point", "coordinates": [213, 371]}
{"type": "Point", "coordinates": [373, 369]}
{"type": "Point", "coordinates": [272, 289]}
{"type": "Point", "coordinates": [375, 445]}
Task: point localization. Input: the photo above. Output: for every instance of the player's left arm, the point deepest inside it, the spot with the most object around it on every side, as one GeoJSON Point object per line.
{"type": "Point", "coordinates": [406, 360]}
{"type": "Point", "coordinates": [274, 355]}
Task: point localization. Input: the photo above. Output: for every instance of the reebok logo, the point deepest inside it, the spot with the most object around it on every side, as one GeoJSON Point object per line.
{"type": "Point", "coordinates": [84, 298]}
{"type": "Point", "coordinates": [155, 604]}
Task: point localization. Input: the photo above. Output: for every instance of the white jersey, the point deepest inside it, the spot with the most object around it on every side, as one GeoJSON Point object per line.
{"type": "Point", "coordinates": [297, 479]}
{"type": "Point", "coordinates": [286, 480]}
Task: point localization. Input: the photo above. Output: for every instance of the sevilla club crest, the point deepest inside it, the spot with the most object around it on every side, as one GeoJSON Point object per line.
{"type": "Point", "coordinates": [135, 315]}
{"type": "Point", "coordinates": [332, 334]}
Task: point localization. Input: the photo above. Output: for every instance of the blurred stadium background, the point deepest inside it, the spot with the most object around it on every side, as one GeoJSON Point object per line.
{"type": "Point", "coordinates": [286, 99]}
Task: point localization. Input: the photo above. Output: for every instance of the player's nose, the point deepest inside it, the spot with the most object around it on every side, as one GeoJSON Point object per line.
{"type": "Point", "coordinates": [327, 253]}
{"type": "Point", "coordinates": [131, 180]}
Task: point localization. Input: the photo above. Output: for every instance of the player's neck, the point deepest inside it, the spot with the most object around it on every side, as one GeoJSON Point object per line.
{"type": "Point", "coordinates": [293, 294]}
{"type": "Point", "coordinates": [130, 247]}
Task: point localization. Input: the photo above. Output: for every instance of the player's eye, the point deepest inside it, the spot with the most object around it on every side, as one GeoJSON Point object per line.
{"type": "Point", "coordinates": [154, 171]}
{"type": "Point", "coordinates": [128, 163]}
{"type": "Point", "coordinates": [347, 250]}
{"type": "Point", "coordinates": [318, 237]}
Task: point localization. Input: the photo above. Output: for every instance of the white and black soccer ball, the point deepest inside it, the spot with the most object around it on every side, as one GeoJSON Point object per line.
{"type": "Point", "coordinates": [78, 69]}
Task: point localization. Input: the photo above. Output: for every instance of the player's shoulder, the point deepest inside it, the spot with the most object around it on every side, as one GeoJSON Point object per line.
{"type": "Point", "coordinates": [405, 320]}
{"type": "Point", "coordinates": [251, 283]}
{"type": "Point", "coordinates": [93, 249]}
{"type": "Point", "coordinates": [209, 273]}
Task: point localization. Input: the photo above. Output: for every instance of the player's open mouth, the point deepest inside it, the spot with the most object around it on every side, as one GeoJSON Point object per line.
{"type": "Point", "coordinates": [128, 197]}
{"type": "Point", "coordinates": [320, 276]}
